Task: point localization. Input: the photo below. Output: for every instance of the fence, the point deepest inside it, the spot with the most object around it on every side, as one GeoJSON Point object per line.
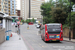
{"type": "Point", "coordinates": [66, 32]}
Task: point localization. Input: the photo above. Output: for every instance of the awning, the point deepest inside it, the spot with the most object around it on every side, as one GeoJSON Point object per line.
{"type": "Point", "coordinates": [3, 15]}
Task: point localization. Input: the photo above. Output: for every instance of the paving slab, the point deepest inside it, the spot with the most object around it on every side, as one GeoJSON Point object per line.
{"type": "Point", "coordinates": [67, 39]}
{"type": "Point", "coordinates": [13, 43]}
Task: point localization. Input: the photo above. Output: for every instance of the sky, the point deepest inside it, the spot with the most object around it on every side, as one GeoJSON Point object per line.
{"type": "Point", "coordinates": [18, 4]}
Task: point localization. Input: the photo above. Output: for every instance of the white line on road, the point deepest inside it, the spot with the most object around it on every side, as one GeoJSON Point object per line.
{"type": "Point", "coordinates": [38, 34]}
{"type": "Point", "coordinates": [59, 49]}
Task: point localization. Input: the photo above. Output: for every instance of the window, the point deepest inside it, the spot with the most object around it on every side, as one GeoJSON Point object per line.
{"type": "Point", "coordinates": [23, 15]}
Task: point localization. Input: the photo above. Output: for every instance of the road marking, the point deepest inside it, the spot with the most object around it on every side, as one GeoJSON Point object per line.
{"type": "Point", "coordinates": [38, 34]}
{"type": "Point", "coordinates": [42, 46]}
{"type": "Point", "coordinates": [28, 43]}
{"type": "Point", "coordinates": [59, 49]}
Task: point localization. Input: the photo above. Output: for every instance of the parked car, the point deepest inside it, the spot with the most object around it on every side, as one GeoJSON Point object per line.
{"type": "Point", "coordinates": [31, 23]}
{"type": "Point", "coordinates": [38, 25]}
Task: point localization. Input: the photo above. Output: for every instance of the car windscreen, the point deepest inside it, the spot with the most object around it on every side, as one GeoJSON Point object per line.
{"type": "Point", "coordinates": [54, 29]}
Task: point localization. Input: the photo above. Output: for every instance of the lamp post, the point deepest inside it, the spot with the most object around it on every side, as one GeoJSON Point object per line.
{"type": "Point", "coordinates": [70, 22]}
{"type": "Point", "coordinates": [29, 8]}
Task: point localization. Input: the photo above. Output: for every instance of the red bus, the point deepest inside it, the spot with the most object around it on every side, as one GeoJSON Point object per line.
{"type": "Point", "coordinates": [52, 32]}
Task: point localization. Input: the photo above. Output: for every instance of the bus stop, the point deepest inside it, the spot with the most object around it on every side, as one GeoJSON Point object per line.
{"type": "Point", "coordinates": [5, 26]}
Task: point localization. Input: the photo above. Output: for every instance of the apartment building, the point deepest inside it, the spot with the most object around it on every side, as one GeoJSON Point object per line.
{"type": "Point", "coordinates": [12, 7]}
{"type": "Point", "coordinates": [8, 7]}
{"type": "Point", "coordinates": [24, 9]}
{"type": "Point", "coordinates": [18, 13]}
{"type": "Point", "coordinates": [4, 6]}
{"type": "Point", "coordinates": [35, 8]}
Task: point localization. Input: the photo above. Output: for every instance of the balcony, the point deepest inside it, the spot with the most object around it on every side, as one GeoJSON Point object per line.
{"type": "Point", "coordinates": [9, 9]}
{"type": "Point", "coordinates": [8, 2]}
{"type": "Point", "coordinates": [0, 9]}
{"type": "Point", "coordinates": [12, 1]}
{"type": "Point", "coordinates": [5, 1]}
{"type": "Point", "coordinates": [12, 4]}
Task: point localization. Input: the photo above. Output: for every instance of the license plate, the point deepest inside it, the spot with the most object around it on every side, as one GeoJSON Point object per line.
{"type": "Point", "coordinates": [51, 36]}
{"type": "Point", "coordinates": [54, 40]}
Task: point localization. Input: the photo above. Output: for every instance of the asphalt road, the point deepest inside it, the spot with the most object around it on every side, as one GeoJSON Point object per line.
{"type": "Point", "coordinates": [33, 40]}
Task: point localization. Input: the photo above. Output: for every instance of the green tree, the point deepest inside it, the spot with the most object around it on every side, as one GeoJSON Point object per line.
{"type": "Point", "coordinates": [33, 20]}
{"type": "Point", "coordinates": [47, 20]}
{"type": "Point", "coordinates": [28, 20]}
{"type": "Point", "coordinates": [45, 11]}
{"type": "Point", "coordinates": [59, 15]}
{"type": "Point", "coordinates": [46, 8]}
{"type": "Point", "coordinates": [60, 11]}
{"type": "Point", "coordinates": [73, 1]}
{"type": "Point", "coordinates": [22, 20]}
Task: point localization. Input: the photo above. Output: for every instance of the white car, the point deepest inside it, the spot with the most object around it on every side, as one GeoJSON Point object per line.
{"type": "Point", "coordinates": [38, 25]}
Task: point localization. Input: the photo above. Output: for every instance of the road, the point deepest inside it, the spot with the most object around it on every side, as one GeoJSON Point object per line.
{"type": "Point", "coordinates": [33, 40]}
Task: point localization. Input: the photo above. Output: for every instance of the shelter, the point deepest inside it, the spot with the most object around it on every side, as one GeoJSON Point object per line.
{"type": "Point", "coordinates": [5, 24]}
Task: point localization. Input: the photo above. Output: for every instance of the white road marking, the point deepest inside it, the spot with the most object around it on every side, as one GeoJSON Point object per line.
{"type": "Point", "coordinates": [59, 49]}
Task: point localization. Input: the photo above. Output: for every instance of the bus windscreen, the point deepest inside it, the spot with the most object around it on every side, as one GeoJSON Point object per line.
{"type": "Point", "coordinates": [54, 29]}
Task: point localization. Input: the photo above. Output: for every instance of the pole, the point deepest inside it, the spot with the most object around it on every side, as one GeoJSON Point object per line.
{"type": "Point", "coordinates": [19, 31]}
{"type": "Point", "coordinates": [70, 22]}
{"type": "Point", "coordinates": [29, 9]}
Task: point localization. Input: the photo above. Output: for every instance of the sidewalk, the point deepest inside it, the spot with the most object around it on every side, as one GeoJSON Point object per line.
{"type": "Point", "coordinates": [13, 44]}
{"type": "Point", "coordinates": [67, 39]}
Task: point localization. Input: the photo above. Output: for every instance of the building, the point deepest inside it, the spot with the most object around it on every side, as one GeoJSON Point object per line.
{"type": "Point", "coordinates": [35, 8]}
{"type": "Point", "coordinates": [12, 7]}
{"type": "Point", "coordinates": [4, 6]}
{"type": "Point", "coordinates": [18, 13]}
{"type": "Point", "coordinates": [24, 9]}
{"type": "Point", "coordinates": [8, 7]}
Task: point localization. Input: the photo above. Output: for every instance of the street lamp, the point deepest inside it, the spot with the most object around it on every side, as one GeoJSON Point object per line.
{"type": "Point", "coordinates": [29, 8]}
{"type": "Point", "coordinates": [70, 22]}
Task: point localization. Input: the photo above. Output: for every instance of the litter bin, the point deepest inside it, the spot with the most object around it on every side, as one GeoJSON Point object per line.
{"type": "Point", "coordinates": [7, 37]}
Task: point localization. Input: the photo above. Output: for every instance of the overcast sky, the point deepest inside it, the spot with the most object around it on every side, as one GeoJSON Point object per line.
{"type": "Point", "coordinates": [18, 4]}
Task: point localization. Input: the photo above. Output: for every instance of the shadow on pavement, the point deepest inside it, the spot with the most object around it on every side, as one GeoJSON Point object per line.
{"type": "Point", "coordinates": [53, 42]}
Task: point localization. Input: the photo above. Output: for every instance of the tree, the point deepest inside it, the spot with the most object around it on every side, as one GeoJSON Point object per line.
{"type": "Point", "coordinates": [47, 20]}
{"type": "Point", "coordinates": [46, 8]}
{"type": "Point", "coordinates": [60, 11]}
{"type": "Point", "coordinates": [73, 1]}
{"type": "Point", "coordinates": [59, 15]}
{"type": "Point", "coordinates": [33, 20]}
{"type": "Point", "coordinates": [28, 20]}
{"type": "Point", "coordinates": [22, 21]}
{"type": "Point", "coordinates": [45, 11]}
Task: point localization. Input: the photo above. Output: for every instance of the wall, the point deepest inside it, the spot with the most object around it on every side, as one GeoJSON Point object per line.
{"type": "Point", "coordinates": [2, 35]}
{"type": "Point", "coordinates": [66, 32]}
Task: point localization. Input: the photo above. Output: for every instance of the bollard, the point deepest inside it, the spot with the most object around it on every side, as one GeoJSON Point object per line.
{"type": "Point", "coordinates": [11, 35]}
{"type": "Point", "coordinates": [28, 27]}
{"type": "Point", "coordinates": [7, 37]}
